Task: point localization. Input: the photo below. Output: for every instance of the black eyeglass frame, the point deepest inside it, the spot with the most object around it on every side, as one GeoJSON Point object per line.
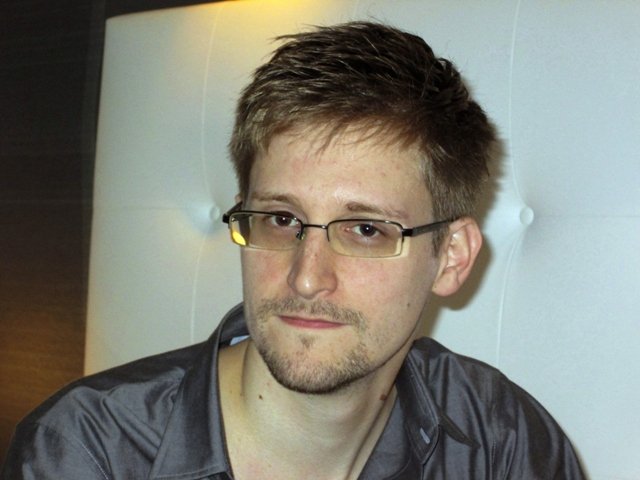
{"type": "Point", "coordinates": [405, 232]}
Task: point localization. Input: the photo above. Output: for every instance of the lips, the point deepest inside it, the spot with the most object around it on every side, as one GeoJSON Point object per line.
{"type": "Point", "coordinates": [309, 323]}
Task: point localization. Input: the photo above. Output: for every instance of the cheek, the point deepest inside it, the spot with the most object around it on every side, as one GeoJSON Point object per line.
{"type": "Point", "coordinates": [388, 284]}
{"type": "Point", "coordinates": [262, 270]}
{"type": "Point", "coordinates": [393, 278]}
{"type": "Point", "coordinates": [395, 293]}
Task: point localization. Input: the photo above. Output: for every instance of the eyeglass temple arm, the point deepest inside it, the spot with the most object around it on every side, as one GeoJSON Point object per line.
{"type": "Point", "coordinates": [411, 232]}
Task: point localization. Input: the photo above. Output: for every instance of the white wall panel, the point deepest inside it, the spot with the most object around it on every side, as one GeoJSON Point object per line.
{"type": "Point", "coordinates": [141, 288]}
{"type": "Point", "coordinates": [571, 333]}
{"type": "Point", "coordinates": [571, 324]}
{"type": "Point", "coordinates": [576, 107]}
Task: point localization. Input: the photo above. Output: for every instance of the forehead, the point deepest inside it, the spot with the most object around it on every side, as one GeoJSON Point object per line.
{"type": "Point", "coordinates": [350, 168]}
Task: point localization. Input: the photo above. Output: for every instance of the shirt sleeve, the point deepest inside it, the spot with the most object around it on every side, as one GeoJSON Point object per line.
{"type": "Point", "coordinates": [39, 452]}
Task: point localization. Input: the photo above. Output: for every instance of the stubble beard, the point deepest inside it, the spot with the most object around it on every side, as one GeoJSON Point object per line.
{"type": "Point", "coordinates": [292, 371]}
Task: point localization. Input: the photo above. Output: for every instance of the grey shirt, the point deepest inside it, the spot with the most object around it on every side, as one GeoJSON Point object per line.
{"type": "Point", "coordinates": [159, 418]}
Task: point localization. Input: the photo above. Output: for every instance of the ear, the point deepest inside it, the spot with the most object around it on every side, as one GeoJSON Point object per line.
{"type": "Point", "coordinates": [238, 198]}
{"type": "Point", "coordinates": [457, 256]}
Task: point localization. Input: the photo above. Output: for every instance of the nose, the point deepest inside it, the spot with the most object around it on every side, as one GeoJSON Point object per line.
{"type": "Point", "coordinates": [312, 274]}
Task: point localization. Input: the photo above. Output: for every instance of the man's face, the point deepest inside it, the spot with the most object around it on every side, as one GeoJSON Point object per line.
{"type": "Point", "coordinates": [321, 320]}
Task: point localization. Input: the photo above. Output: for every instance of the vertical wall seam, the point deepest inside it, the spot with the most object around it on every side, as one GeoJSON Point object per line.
{"type": "Point", "coordinates": [518, 241]}
{"type": "Point", "coordinates": [203, 161]}
{"type": "Point", "coordinates": [503, 295]}
{"type": "Point", "coordinates": [514, 34]}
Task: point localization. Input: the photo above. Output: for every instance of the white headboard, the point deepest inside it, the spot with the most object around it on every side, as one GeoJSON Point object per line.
{"type": "Point", "coordinates": [555, 303]}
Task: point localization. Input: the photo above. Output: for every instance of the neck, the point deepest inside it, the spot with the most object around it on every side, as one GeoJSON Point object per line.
{"type": "Point", "coordinates": [296, 435]}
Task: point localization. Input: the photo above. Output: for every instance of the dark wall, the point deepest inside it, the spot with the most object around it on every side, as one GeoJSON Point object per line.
{"type": "Point", "coordinates": [50, 59]}
{"type": "Point", "coordinates": [50, 55]}
{"type": "Point", "coordinates": [120, 7]}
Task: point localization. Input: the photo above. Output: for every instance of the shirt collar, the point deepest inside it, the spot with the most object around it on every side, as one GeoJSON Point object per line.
{"type": "Point", "coordinates": [417, 421]}
{"type": "Point", "coordinates": [416, 384]}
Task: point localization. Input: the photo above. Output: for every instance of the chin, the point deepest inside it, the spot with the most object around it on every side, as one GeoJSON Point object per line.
{"type": "Point", "coordinates": [298, 375]}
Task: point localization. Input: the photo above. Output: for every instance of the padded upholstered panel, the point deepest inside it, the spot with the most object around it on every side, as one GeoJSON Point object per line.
{"type": "Point", "coordinates": [555, 303]}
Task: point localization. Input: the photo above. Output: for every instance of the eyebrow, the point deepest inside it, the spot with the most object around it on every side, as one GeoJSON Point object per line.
{"type": "Point", "coordinates": [352, 206]}
{"type": "Point", "coordinates": [273, 197]}
{"type": "Point", "coordinates": [384, 212]}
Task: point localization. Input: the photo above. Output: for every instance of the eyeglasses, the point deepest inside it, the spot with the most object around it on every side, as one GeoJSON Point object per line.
{"type": "Point", "coordinates": [353, 237]}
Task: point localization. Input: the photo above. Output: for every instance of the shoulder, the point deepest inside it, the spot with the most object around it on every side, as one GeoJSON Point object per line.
{"type": "Point", "coordinates": [510, 425]}
{"type": "Point", "coordinates": [448, 375]}
{"type": "Point", "coordinates": [465, 385]}
{"type": "Point", "coordinates": [120, 412]}
{"type": "Point", "coordinates": [131, 387]}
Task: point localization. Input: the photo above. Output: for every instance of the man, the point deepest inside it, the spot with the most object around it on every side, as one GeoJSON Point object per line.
{"type": "Point", "coordinates": [359, 155]}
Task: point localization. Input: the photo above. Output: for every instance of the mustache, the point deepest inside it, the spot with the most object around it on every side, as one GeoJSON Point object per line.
{"type": "Point", "coordinates": [322, 308]}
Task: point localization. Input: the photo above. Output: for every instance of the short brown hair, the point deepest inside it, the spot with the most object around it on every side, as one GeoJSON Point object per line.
{"type": "Point", "coordinates": [374, 76]}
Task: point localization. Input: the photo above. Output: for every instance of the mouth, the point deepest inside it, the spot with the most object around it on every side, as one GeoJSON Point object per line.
{"type": "Point", "coordinates": [310, 323]}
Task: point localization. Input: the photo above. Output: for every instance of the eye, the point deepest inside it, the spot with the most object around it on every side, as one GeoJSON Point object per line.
{"type": "Point", "coordinates": [367, 230]}
{"type": "Point", "coordinates": [282, 219]}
